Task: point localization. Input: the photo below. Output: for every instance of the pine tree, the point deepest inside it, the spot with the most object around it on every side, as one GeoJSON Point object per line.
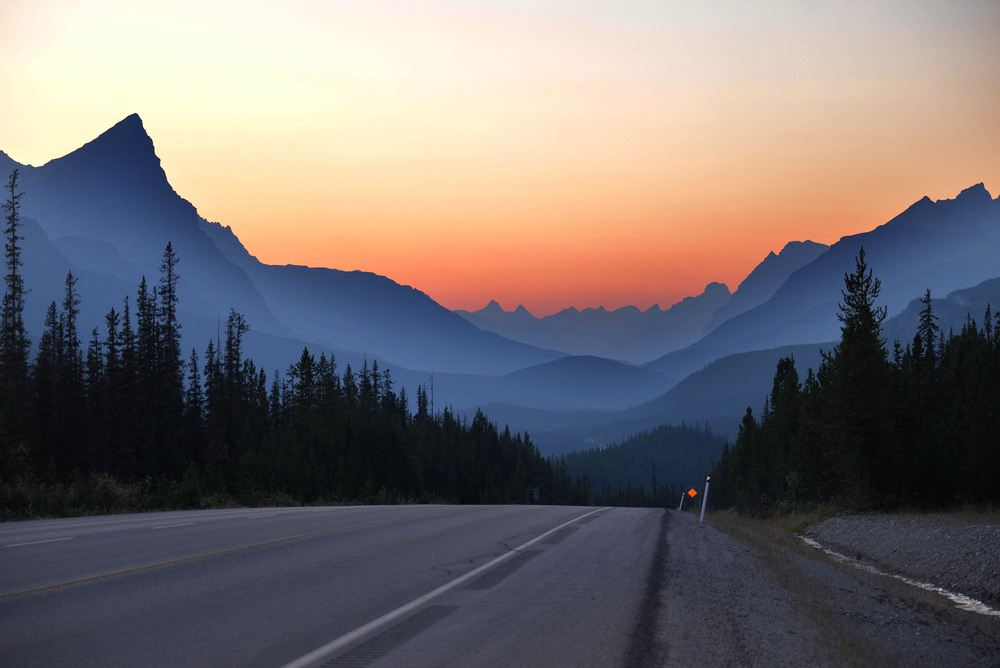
{"type": "Point", "coordinates": [14, 344]}
{"type": "Point", "coordinates": [169, 383]}
{"type": "Point", "coordinates": [860, 386]}
{"type": "Point", "coordinates": [70, 400]}
{"type": "Point", "coordinates": [928, 328]}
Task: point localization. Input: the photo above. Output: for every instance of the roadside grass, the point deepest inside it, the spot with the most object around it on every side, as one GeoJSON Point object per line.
{"type": "Point", "coordinates": [857, 624]}
{"type": "Point", "coordinates": [968, 515]}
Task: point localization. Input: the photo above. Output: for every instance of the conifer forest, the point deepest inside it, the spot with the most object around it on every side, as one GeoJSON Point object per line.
{"type": "Point", "coordinates": [917, 427]}
{"type": "Point", "coordinates": [122, 419]}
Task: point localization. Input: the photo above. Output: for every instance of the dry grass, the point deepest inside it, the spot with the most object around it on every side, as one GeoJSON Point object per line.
{"type": "Point", "coordinates": [960, 517]}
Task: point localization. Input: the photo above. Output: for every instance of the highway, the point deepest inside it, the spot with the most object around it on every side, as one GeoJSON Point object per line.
{"type": "Point", "coordinates": [428, 585]}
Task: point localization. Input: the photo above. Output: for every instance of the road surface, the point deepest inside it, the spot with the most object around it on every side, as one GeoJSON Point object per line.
{"type": "Point", "coordinates": [390, 585]}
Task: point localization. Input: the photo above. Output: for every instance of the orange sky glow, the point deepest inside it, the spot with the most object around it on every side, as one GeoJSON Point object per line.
{"type": "Point", "coordinates": [550, 154]}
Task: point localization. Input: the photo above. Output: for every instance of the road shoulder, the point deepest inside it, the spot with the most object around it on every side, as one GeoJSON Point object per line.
{"type": "Point", "coordinates": [754, 595]}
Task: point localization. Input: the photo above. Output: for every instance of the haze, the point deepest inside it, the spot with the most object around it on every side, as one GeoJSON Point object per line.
{"type": "Point", "coordinates": [547, 154]}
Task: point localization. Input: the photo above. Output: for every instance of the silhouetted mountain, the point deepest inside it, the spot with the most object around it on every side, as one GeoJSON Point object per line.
{"type": "Point", "coordinates": [109, 207]}
{"type": "Point", "coordinates": [624, 334]}
{"type": "Point", "coordinates": [113, 190]}
{"type": "Point", "coordinates": [765, 279]}
{"type": "Point", "coordinates": [365, 312]}
{"type": "Point", "coordinates": [943, 245]}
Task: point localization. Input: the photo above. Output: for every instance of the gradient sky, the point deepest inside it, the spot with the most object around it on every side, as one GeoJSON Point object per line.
{"type": "Point", "coordinates": [551, 154]}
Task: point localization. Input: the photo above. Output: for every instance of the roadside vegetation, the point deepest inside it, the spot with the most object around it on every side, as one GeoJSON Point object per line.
{"type": "Point", "coordinates": [126, 422]}
{"type": "Point", "coordinates": [917, 429]}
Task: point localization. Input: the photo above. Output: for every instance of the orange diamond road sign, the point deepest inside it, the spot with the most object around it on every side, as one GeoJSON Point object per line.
{"type": "Point", "coordinates": [692, 493]}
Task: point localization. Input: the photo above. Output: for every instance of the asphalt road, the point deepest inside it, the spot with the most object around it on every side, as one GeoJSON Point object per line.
{"type": "Point", "coordinates": [392, 585]}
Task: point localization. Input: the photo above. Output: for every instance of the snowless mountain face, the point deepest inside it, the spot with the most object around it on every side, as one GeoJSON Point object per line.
{"type": "Point", "coordinates": [765, 280]}
{"type": "Point", "coordinates": [106, 211]}
{"type": "Point", "coordinates": [626, 334]}
{"type": "Point", "coordinates": [944, 245]}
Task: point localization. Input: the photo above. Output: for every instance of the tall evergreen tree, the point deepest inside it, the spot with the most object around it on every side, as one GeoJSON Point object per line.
{"type": "Point", "coordinates": [14, 344]}
{"type": "Point", "coordinates": [71, 402]}
{"type": "Point", "coordinates": [169, 407]}
{"type": "Point", "coordinates": [860, 386]}
{"type": "Point", "coordinates": [928, 328]}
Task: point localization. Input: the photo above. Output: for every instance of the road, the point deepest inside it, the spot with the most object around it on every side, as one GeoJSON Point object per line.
{"type": "Point", "coordinates": [338, 586]}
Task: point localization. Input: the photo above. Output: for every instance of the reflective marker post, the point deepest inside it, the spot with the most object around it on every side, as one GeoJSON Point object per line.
{"type": "Point", "coordinates": [690, 493]}
{"type": "Point", "coordinates": [704, 500]}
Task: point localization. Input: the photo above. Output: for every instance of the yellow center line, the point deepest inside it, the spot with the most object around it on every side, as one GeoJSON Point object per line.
{"type": "Point", "coordinates": [207, 555]}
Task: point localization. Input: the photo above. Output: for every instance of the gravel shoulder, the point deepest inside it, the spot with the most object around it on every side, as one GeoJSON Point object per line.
{"type": "Point", "coordinates": [741, 592]}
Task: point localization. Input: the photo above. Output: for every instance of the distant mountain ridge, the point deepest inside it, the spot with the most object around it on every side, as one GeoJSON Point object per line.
{"type": "Point", "coordinates": [765, 280]}
{"type": "Point", "coordinates": [627, 333]}
{"type": "Point", "coordinates": [109, 206]}
{"type": "Point", "coordinates": [945, 245]}
{"type": "Point", "coordinates": [642, 336]}
{"type": "Point", "coordinates": [107, 210]}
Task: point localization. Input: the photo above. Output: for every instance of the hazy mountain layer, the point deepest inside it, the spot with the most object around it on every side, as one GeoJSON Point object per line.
{"type": "Point", "coordinates": [765, 280]}
{"type": "Point", "coordinates": [625, 334]}
{"type": "Point", "coordinates": [944, 245]}
{"type": "Point", "coordinates": [109, 209]}
{"type": "Point", "coordinates": [106, 211]}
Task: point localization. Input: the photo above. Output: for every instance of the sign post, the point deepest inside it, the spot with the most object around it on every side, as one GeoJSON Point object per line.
{"type": "Point", "coordinates": [704, 499]}
{"type": "Point", "coordinates": [690, 493]}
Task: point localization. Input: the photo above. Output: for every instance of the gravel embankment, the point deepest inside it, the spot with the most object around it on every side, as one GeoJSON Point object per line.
{"type": "Point", "coordinates": [935, 550]}
{"type": "Point", "coordinates": [752, 595]}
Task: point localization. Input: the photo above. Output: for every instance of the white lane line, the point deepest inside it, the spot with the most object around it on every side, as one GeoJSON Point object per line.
{"type": "Point", "coordinates": [349, 638]}
{"type": "Point", "coordinates": [961, 600]}
{"type": "Point", "coordinates": [39, 542]}
{"type": "Point", "coordinates": [171, 526]}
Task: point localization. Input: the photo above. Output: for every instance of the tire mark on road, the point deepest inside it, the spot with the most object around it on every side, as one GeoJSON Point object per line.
{"type": "Point", "coordinates": [644, 649]}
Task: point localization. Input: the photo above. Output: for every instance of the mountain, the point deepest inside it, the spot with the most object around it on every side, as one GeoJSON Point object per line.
{"type": "Point", "coordinates": [108, 209]}
{"type": "Point", "coordinates": [365, 312]}
{"type": "Point", "coordinates": [717, 395]}
{"type": "Point", "coordinates": [953, 311]}
{"type": "Point", "coordinates": [765, 279]}
{"type": "Point", "coordinates": [567, 383]}
{"type": "Point", "coordinates": [626, 334]}
{"type": "Point", "coordinates": [114, 190]}
{"type": "Point", "coordinates": [944, 245]}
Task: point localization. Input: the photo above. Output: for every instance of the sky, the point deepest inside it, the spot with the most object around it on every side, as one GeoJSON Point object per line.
{"type": "Point", "coordinates": [550, 154]}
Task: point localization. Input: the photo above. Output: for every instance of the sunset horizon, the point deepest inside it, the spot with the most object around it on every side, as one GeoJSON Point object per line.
{"type": "Point", "coordinates": [554, 157]}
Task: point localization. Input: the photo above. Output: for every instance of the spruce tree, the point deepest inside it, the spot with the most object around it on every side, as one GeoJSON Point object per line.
{"type": "Point", "coordinates": [928, 328]}
{"type": "Point", "coordinates": [14, 344]}
{"type": "Point", "coordinates": [860, 386]}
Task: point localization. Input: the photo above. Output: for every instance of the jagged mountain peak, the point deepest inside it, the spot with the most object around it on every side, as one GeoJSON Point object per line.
{"type": "Point", "coordinates": [125, 143]}
{"type": "Point", "coordinates": [974, 194]}
{"type": "Point", "coordinates": [794, 246]}
{"type": "Point", "coordinates": [716, 289]}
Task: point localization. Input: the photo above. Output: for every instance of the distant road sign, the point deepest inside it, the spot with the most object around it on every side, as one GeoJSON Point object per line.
{"type": "Point", "coordinates": [692, 493]}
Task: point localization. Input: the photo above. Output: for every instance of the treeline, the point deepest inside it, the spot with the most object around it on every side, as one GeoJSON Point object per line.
{"type": "Point", "coordinates": [124, 423]}
{"type": "Point", "coordinates": [917, 428]}
{"type": "Point", "coordinates": [648, 469]}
